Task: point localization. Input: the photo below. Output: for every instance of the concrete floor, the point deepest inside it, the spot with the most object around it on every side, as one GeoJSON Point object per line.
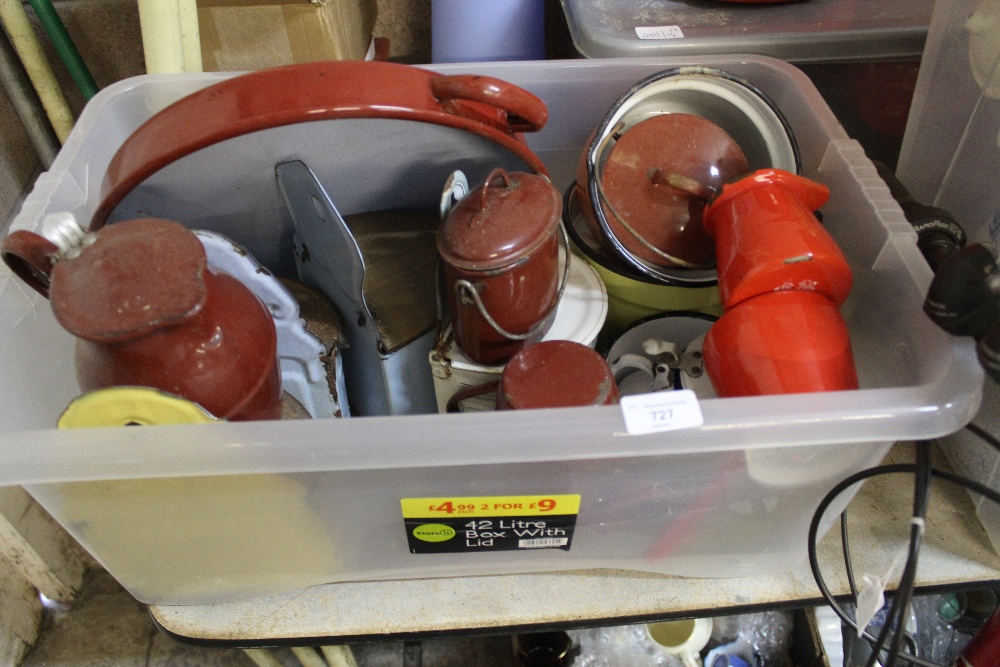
{"type": "Point", "coordinates": [107, 627]}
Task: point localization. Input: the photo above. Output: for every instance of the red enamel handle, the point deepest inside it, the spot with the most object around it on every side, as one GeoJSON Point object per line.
{"type": "Point", "coordinates": [30, 256]}
{"type": "Point", "coordinates": [525, 112]}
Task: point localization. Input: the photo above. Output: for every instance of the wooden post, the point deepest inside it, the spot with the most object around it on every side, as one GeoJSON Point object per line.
{"type": "Point", "coordinates": [20, 615]}
{"type": "Point", "coordinates": [45, 555]}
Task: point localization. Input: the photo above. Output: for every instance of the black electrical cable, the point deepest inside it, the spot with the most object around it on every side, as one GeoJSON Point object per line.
{"type": "Point", "coordinates": [972, 485]}
{"type": "Point", "coordinates": [895, 622]}
{"type": "Point", "coordinates": [845, 546]}
{"type": "Point", "coordinates": [848, 563]}
{"type": "Point", "coordinates": [986, 436]}
{"type": "Point", "coordinates": [904, 593]}
{"type": "Point", "coordinates": [833, 494]}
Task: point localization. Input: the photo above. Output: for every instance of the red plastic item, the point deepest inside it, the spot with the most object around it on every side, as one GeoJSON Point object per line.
{"type": "Point", "coordinates": [556, 374]}
{"type": "Point", "coordinates": [787, 342]}
{"type": "Point", "coordinates": [304, 92]}
{"type": "Point", "coordinates": [984, 649]}
{"type": "Point", "coordinates": [767, 238]}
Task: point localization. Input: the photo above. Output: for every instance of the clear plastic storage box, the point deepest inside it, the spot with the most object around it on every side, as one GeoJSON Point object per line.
{"type": "Point", "coordinates": [950, 158]}
{"type": "Point", "coordinates": [218, 512]}
{"type": "Point", "coordinates": [862, 56]}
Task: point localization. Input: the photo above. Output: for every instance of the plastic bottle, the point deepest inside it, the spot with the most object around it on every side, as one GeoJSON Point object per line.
{"type": "Point", "coordinates": [487, 30]}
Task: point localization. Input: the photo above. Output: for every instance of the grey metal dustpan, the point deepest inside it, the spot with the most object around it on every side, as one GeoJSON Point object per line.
{"type": "Point", "coordinates": [378, 270]}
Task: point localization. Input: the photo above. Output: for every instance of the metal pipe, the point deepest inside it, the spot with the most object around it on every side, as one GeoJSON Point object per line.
{"type": "Point", "coordinates": [22, 36]}
{"type": "Point", "coordinates": [170, 35]}
{"type": "Point", "coordinates": [26, 103]}
{"type": "Point", "coordinates": [65, 47]}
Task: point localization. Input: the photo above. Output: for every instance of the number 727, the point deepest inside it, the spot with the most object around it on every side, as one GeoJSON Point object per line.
{"type": "Point", "coordinates": [660, 416]}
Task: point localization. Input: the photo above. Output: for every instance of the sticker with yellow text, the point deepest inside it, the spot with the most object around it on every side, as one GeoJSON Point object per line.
{"type": "Point", "coordinates": [489, 523]}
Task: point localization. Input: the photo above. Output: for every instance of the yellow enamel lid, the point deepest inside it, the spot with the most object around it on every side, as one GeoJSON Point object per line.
{"type": "Point", "coordinates": [131, 406]}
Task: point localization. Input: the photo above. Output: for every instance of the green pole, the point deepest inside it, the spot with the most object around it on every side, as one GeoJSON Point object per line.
{"type": "Point", "coordinates": [65, 47]}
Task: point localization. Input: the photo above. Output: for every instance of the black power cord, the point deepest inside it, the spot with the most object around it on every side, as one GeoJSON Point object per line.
{"type": "Point", "coordinates": [896, 619]}
{"type": "Point", "coordinates": [904, 592]}
{"type": "Point", "coordinates": [986, 436]}
{"type": "Point", "coordinates": [963, 299]}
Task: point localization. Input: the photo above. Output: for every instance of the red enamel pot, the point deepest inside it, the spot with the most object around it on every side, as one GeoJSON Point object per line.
{"type": "Point", "coordinates": [500, 250]}
{"type": "Point", "coordinates": [147, 311]}
{"type": "Point", "coordinates": [787, 342]}
{"type": "Point", "coordinates": [484, 106]}
{"type": "Point", "coordinates": [556, 374]}
{"type": "Point", "coordinates": [767, 238]}
{"type": "Point", "coordinates": [654, 185]}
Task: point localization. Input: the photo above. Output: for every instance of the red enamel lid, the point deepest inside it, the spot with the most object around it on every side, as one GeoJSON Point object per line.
{"type": "Point", "coordinates": [557, 374]}
{"type": "Point", "coordinates": [137, 276]}
{"type": "Point", "coordinates": [501, 222]}
{"type": "Point", "coordinates": [659, 174]}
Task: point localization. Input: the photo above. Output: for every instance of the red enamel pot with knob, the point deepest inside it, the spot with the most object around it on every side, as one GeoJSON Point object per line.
{"type": "Point", "coordinates": [500, 250]}
{"type": "Point", "coordinates": [654, 185]}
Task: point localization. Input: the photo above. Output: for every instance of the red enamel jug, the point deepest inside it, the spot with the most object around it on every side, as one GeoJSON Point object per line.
{"type": "Point", "coordinates": [767, 238]}
{"type": "Point", "coordinates": [786, 342]}
{"type": "Point", "coordinates": [147, 311]}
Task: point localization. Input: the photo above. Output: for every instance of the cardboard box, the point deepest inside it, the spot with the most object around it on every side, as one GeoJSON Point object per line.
{"type": "Point", "coordinates": [238, 35]}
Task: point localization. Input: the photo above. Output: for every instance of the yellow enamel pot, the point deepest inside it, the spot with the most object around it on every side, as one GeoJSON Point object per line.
{"type": "Point", "coordinates": [632, 296]}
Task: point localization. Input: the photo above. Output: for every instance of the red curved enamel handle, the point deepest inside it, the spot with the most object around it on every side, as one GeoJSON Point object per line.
{"type": "Point", "coordinates": [525, 112]}
{"type": "Point", "coordinates": [30, 256]}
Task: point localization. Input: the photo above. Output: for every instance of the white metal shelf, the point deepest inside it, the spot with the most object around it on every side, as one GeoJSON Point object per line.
{"type": "Point", "coordinates": [956, 553]}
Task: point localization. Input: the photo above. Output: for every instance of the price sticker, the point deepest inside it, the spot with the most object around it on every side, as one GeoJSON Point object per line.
{"type": "Point", "coordinates": [493, 523]}
{"type": "Point", "coordinates": [659, 32]}
{"type": "Point", "coordinates": [661, 411]}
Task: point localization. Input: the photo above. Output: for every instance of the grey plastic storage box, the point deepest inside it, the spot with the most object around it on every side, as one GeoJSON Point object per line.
{"type": "Point", "coordinates": [862, 55]}
{"type": "Point", "coordinates": [210, 513]}
{"type": "Point", "coordinates": [813, 31]}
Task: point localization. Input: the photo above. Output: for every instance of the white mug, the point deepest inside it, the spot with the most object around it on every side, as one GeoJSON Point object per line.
{"type": "Point", "coordinates": [684, 638]}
